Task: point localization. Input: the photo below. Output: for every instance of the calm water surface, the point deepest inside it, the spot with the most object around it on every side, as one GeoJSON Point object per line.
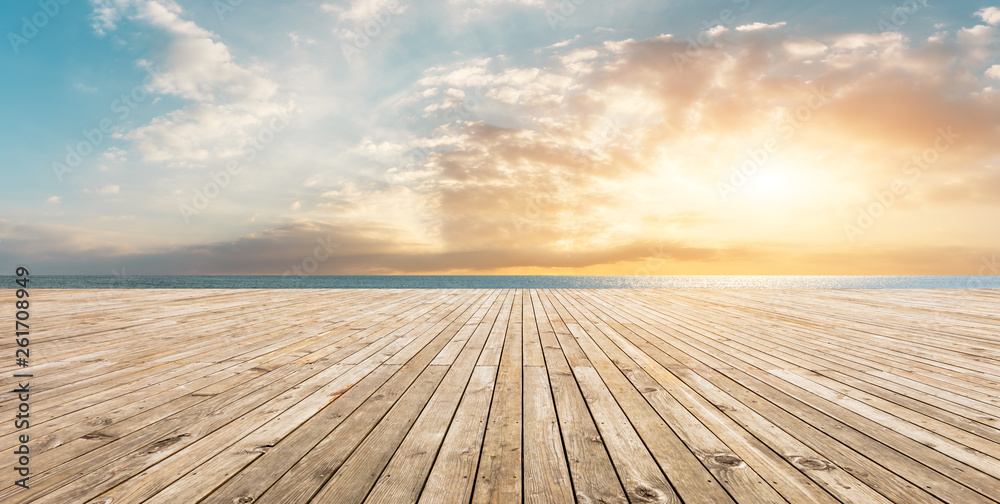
{"type": "Point", "coordinates": [507, 282]}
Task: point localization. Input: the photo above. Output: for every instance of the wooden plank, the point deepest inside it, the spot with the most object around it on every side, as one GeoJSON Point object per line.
{"type": "Point", "coordinates": [754, 396]}
{"type": "Point", "coordinates": [973, 477]}
{"type": "Point", "coordinates": [453, 475]}
{"type": "Point", "coordinates": [546, 474]}
{"type": "Point", "coordinates": [532, 347]}
{"type": "Point", "coordinates": [889, 458]}
{"type": "Point", "coordinates": [310, 395]}
{"type": "Point", "coordinates": [498, 479]}
{"type": "Point", "coordinates": [355, 478]}
{"type": "Point", "coordinates": [407, 471]}
{"type": "Point", "coordinates": [312, 469]}
{"type": "Point", "coordinates": [931, 433]}
{"type": "Point", "coordinates": [108, 389]}
{"type": "Point", "coordinates": [690, 468]}
{"type": "Point", "coordinates": [852, 476]}
{"type": "Point", "coordinates": [640, 475]}
{"type": "Point", "coordinates": [641, 445]}
{"type": "Point", "coordinates": [256, 478]}
{"type": "Point", "coordinates": [212, 473]}
{"type": "Point", "coordinates": [97, 471]}
{"type": "Point", "coordinates": [735, 455]}
{"type": "Point", "coordinates": [591, 471]}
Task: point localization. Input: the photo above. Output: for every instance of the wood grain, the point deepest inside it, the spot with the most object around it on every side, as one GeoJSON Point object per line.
{"type": "Point", "coordinates": [509, 396]}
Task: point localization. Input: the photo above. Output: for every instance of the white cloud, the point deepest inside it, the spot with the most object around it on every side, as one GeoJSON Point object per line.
{"type": "Point", "coordinates": [198, 133]}
{"type": "Point", "coordinates": [760, 26]}
{"type": "Point", "coordinates": [979, 34]}
{"type": "Point", "coordinates": [362, 15]}
{"type": "Point", "coordinates": [989, 15]}
{"type": "Point", "coordinates": [106, 14]}
{"type": "Point", "coordinates": [524, 86]}
{"type": "Point", "coordinates": [580, 60]}
{"type": "Point", "coordinates": [718, 30]}
{"type": "Point", "coordinates": [198, 67]}
{"type": "Point", "coordinates": [994, 72]}
{"type": "Point", "coordinates": [490, 3]}
{"type": "Point", "coordinates": [618, 46]}
{"type": "Point", "coordinates": [111, 158]}
{"type": "Point", "coordinates": [114, 154]}
{"type": "Point", "coordinates": [86, 89]}
{"type": "Point", "coordinates": [54, 199]}
{"type": "Point", "coordinates": [471, 9]}
{"type": "Point", "coordinates": [977, 42]}
{"type": "Point", "coordinates": [471, 73]}
{"type": "Point", "coordinates": [564, 43]}
{"type": "Point", "coordinates": [867, 40]}
{"type": "Point", "coordinates": [231, 100]}
{"type": "Point", "coordinates": [107, 190]}
{"type": "Point", "coordinates": [298, 40]}
{"type": "Point", "coordinates": [804, 47]}
{"type": "Point", "coordinates": [362, 11]}
{"type": "Point", "coordinates": [383, 151]}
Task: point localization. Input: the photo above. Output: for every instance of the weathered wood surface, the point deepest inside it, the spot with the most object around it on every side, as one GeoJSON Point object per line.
{"type": "Point", "coordinates": [500, 396]}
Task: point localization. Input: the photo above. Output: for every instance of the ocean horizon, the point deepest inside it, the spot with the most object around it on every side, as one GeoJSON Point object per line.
{"type": "Point", "coordinates": [511, 282]}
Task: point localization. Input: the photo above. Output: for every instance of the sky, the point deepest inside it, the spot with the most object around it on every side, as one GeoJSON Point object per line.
{"type": "Point", "coordinates": [500, 137]}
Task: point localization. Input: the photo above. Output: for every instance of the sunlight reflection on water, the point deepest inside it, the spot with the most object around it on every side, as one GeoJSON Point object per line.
{"type": "Point", "coordinates": [512, 282]}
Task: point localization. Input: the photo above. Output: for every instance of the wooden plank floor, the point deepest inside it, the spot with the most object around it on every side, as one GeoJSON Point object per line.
{"type": "Point", "coordinates": [506, 396]}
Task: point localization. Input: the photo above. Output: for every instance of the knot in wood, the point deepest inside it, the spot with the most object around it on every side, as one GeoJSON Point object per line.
{"type": "Point", "coordinates": [811, 463]}
{"type": "Point", "coordinates": [159, 445]}
{"type": "Point", "coordinates": [723, 460]}
{"type": "Point", "coordinates": [97, 435]}
{"type": "Point", "coordinates": [646, 493]}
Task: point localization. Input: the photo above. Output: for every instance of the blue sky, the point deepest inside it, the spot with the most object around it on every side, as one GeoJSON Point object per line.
{"type": "Point", "coordinates": [496, 136]}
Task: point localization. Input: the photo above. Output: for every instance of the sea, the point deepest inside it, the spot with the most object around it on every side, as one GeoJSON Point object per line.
{"type": "Point", "coordinates": [125, 281]}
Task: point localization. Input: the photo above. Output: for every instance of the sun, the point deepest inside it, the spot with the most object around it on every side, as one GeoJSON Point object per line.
{"type": "Point", "coordinates": [773, 182]}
